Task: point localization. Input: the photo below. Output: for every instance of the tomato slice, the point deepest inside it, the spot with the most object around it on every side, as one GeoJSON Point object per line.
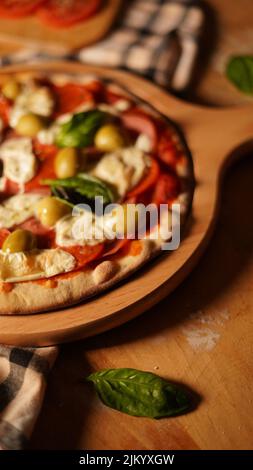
{"type": "Point", "coordinates": [4, 110]}
{"type": "Point", "coordinates": [148, 181]}
{"type": "Point", "coordinates": [70, 96]}
{"type": "Point", "coordinates": [63, 13]}
{"type": "Point", "coordinates": [46, 171]}
{"type": "Point", "coordinates": [19, 8]}
{"type": "Point", "coordinates": [110, 97]}
{"type": "Point", "coordinates": [4, 233]}
{"type": "Point", "coordinates": [167, 151]}
{"type": "Point", "coordinates": [85, 254]}
{"type": "Point", "coordinates": [138, 121]}
{"type": "Point", "coordinates": [167, 189]}
{"type": "Point", "coordinates": [116, 246]}
{"type": "Point", "coordinates": [46, 155]}
{"type": "Point", "coordinates": [44, 151]}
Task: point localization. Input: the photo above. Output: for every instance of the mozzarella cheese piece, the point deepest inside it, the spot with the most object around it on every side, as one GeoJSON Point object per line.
{"type": "Point", "coordinates": [123, 168]}
{"type": "Point", "coordinates": [17, 209]}
{"type": "Point", "coordinates": [84, 229]}
{"type": "Point", "coordinates": [20, 163]}
{"type": "Point", "coordinates": [122, 105]}
{"type": "Point", "coordinates": [144, 143]}
{"type": "Point", "coordinates": [47, 136]}
{"type": "Point", "coordinates": [32, 99]}
{"type": "Point", "coordinates": [37, 264]}
{"type": "Point", "coordinates": [41, 101]}
{"type": "Point", "coordinates": [89, 229]}
{"type": "Point", "coordinates": [19, 109]}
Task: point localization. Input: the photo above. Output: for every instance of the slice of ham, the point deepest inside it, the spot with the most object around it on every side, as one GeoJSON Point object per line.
{"type": "Point", "coordinates": [137, 120]}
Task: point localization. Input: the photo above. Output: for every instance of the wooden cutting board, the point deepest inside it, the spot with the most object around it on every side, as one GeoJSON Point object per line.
{"type": "Point", "coordinates": [202, 334]}
{"type": "Point", "coordinates": [215, 138]}
{"type": "Point", "coordinates": [31, 32]}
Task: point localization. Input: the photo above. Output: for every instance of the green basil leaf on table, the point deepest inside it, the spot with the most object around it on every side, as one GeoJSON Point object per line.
{"type": "Point", "coordinates": [139, 393]}
{"type": "Point", "coordinates": [240, 73]}
{"type": "Point", "coordinates": [80, 130]}
{"type": "Point", "coordinates": [80, 189]}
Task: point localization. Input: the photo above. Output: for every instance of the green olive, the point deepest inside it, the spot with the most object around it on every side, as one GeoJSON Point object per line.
{"type": "Point", "coordinates": [11, 89]}
{"type": "Point", "coordinates": [19, 240]}
{"type": "Point", "coordinates": [29, 125]}
{"type": "Point", "coordinates": [109, 138]}
{"type": "Point", "coordinates": [66, 163]}
{"type": "Point", "coordinates": [50, 209]}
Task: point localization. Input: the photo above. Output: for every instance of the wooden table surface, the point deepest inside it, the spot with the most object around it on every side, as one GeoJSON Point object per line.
{"type": "Point", "coordinates": [201, 335]}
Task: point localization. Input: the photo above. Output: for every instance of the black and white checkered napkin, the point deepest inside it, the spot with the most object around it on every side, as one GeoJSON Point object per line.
{"type": "Point", "coordinates": [23, 374]}
{"type": "Point", "coordinates": [159, 40]}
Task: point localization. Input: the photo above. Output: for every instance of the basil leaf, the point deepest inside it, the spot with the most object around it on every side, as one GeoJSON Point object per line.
{"type": "Point", "coordinates": [80, 189]}
{"type": "Point", "coordinates": [240, 73]}
{"type": "Point", "coordinates": [80, 130]}
{"type": "Point", "coordinates": [139, 393]}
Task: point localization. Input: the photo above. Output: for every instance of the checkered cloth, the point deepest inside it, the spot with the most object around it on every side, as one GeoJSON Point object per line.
{"type": "Point", "coordinates": [159, 40]}
{"type": "Point", "coordinates": [23, 374]}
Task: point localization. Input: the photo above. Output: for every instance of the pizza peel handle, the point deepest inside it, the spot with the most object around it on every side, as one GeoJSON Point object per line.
{"type": "Point", "coordinates": [215, 138]}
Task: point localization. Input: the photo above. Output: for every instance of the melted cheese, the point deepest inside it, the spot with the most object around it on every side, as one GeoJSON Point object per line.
{"type": "Point", "coordinates": [18, 110]}
{"type": "Point", "coordinates": [41, 102]}
{"type": "Point", "coordinates": [32, 99]}
{"type": "Point", "coordinates": [17, 209]}
{"type": "Point", "coordinates": [37, 264]}
{"type": "Point", "coordinates": [116, 109]}
{"type": "Point", "coordinates": [143, 143]}
{"type": "Point", "coordinates": [47, 136]}
{"type": "Point", "coordinates": [83, 229]}
{"type": "Point", "coordinates": [122, 105]}
{"type": "Point", "coordinates": [123, 169]}
{"type": "Point", "coordinates": [89, 229]}
{"type": "Point", "coordinates": [20, 163]}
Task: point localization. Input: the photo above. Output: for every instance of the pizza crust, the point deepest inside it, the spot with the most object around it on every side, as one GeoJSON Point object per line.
{"type": "Point", "coordinates": [36, 297]}
{"type": "Point", "coordinates": [51, 295]}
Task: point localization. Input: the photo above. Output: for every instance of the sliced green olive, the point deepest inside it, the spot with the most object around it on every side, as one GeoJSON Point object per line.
{"type": "Point", "coordinates": [11, 89]}
{"type": "Point", "coordinates": [66, 163]}
{"type": "Point", "coordinates": [19, 240]}
{"type": "Point", "coordinates": [50, 209]}
{"type": "Point", "coordinates": [109, 138]}
{"type": "Point", "coordinates": [29, 125]}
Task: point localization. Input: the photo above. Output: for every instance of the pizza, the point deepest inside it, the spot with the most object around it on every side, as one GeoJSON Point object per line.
{"type": "Point", "coordinates": [70, 145]}
{"type": "Point", "coordinates": [53, 13]}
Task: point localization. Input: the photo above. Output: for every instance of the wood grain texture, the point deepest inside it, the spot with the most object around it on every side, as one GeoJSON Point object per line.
{"type": "Point", "coordinates": [31, 32]}
{"type": "Point", "coordinates": [217, 296]}
{"type": "Point", "coordinates": [228, 32]}
{"type": "Point", "coordinates": [211, 135]}
{"type": "Point", "coordinates": [218, 292]}
{"type": "Point", "coordinates": [171, 339]}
